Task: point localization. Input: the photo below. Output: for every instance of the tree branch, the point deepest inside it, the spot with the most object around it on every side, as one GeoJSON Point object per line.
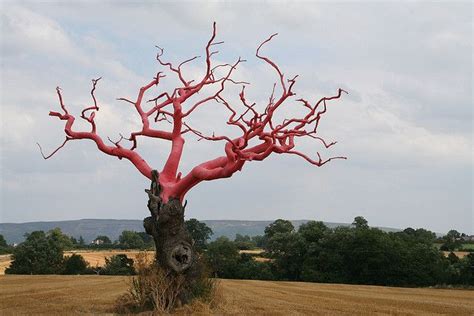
{"type": "Point", "coordinates": [255, 127]}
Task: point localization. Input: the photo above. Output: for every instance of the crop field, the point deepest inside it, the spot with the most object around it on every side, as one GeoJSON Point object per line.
{"type": "Point", "coordinates": [459, 254]}
{"type": "Point", "coordinates": [255, 253]}
{"type": "Point", "coordinates": [252, 251]}
{"type": "Point", "coordinates": [4, 263]}
{"type": "Point", "coordinates": [54, 294]}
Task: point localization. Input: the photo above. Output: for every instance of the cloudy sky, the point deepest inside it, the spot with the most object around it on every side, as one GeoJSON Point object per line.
{"type": "Point", "coordinates": [406, 126]}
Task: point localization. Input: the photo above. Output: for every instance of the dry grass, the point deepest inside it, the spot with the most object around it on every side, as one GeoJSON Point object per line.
{"type": "Point", "coordinates": [59, 295]}
{"type": "Point", "coordinates": [262, 259]}
{"type": "Point", "coordinates": [256, 252]}
{"type": "Point", "coordinates": [153, 288]}
{"type": "Point", "coordinates": [4, 263]}
{"type": "Point", "coordinates": [293, 298]}
{"type": "Point", "coordinates": [459, 254]}
{"type": "Point", "coordinates": [252, 251]}
{"type": "Point", "coordinates": [54, 295]}
{"type": "Point", "coordinates": [159, 290]}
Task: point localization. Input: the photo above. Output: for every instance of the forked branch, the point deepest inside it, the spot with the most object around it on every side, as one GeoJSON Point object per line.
{"type": "Point", "coordinates": [169, 108]}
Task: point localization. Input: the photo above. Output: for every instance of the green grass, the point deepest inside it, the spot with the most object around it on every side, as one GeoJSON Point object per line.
{"type": "Point", "coordinates": [468, 246]}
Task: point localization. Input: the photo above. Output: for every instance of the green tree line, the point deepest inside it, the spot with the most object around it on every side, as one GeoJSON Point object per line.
{"type": "Point", "coordinates": [357, 254]}
{"type": "Point", "coordinates": [354, 255]}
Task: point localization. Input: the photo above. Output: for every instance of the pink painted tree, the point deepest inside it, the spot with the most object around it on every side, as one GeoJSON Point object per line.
{"type": "Point", "coordinates": [260, 136]}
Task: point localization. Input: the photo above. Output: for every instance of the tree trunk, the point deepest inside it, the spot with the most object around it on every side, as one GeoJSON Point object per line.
{"type": "Point", "coordinates": [174, 245]}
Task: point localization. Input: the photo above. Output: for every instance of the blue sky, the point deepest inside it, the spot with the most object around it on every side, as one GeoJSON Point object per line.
{"type": "Point", "coordinates": [406, 125]}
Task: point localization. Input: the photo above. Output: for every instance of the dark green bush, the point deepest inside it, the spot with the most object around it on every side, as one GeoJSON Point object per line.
{"type": "Point", "coordinates": [40, 253]}
{"type": "Point", "coordinates": [75, 264]}
{"type": "Point", "coordinates": [118, 265]}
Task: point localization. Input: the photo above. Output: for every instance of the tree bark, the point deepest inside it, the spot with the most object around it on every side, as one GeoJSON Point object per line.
{"type": "Point", "coordinates": [174, 245]}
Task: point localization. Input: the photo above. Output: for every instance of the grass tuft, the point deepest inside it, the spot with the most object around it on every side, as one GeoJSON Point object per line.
{"type": "Point", "coordinates": [160, 291]}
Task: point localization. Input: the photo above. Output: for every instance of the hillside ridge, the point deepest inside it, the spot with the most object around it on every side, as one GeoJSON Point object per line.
{"type": "Point", "coordinates": [91, 228]}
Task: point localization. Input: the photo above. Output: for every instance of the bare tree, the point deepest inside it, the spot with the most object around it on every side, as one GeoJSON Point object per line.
{"type": "Point", "coordinates": [260, 136]}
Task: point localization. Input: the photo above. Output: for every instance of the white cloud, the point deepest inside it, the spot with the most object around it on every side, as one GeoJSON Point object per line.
{"type": "Point", "coordinates": [409, 111]}
{"type": "Point", "coordinates": [25, 32]}
{"type": "Point", "coordinates": [411, 142]}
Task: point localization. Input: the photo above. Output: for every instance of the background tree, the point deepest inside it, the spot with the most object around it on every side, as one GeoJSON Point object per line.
{"type": "Point", "coordinates": [346, 254]}
{"type": "Point", "coordinates": [259, 241]}
{"type": "Point", "coordinates": [63, 240]}
{"type": "Point", "coordinates": [223, 257]}
{"type": "Point", "coordinates": [250, 269]}
{"type": "Point", "coordinates": [200, 233]}
{"type": "Point", "coordinates": [104, 240]}
{"type": "Point", "coordinates": [467, 270]}
{"type": "Point", "coordinates": [420, 235]}
{"type": "Point", "coordinates": [81, 243]}
{"type": "Point", "coordinates": [330, 263]}
{"type": "Point", "coordinates": [131, 240]}
{"type": "Point", "coordinates": [286, 248]}
{"type": "Point", "coordinates": [313, 231]}
{"type": "Point", "coordinates": [147, 240]}
{"type": "Point", "coordinates": [244, 242]}
{"type": "Point", "coordinates": [40, 253]}
{"type": "Point", "coordinates": [280, 226]}
{"type": "Point", "coordinates": [312, 234]}
{"type": "Point", "coordinates": [369, 257]}
{"type": "Point", "coordinates": [75, 264]}
{"type": "Point", "coordinates": [453, 235]}
{"type": "Point", "coordinates": [260, 131]}
{"type": "Point", "coordinates": [4, 247]}
{"type": "Point", "coordinates": [420, 262]}
{"type": "Point", "coordinates": [360, 222]}
{"type": "Point", "coordinates": [452, 241]}
{"type": "Point", "coordinates": [73, 241]}
{"type": "Point", "coordinates": [118, 265]}
{"type": "Point", "coordinates": [357, 254]}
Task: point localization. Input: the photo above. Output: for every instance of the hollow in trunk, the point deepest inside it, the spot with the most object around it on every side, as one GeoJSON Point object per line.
{"type": "Point", "coordinates": [174, 245]}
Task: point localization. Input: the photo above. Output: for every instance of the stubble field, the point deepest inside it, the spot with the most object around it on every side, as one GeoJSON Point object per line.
{"type": "Point", "coordinates": [90, 294]}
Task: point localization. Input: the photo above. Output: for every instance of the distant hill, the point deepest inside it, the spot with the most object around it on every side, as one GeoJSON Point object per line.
{"type": "Point", "coordinates": [91, 228]}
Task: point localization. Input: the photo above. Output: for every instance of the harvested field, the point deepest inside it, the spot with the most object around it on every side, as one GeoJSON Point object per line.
{"type": "Point", "coordinates": [4, 263]}
{"type": "Point", "coordinates": [96, 294]}
{"type": "Point", "coordinates": [459, 254]}
{"type": "Point", "coordinates": [252, 251]}
{"type": "Point", "coordinates": [262, 259]}
{"type": "Point", "coordinates": [284, 298]}
{"type": "Point", "coordinates": [255, 253]}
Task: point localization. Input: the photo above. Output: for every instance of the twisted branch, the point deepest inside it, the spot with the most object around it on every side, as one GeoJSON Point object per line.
{"type": "Point", "coordinates": [173, 106]}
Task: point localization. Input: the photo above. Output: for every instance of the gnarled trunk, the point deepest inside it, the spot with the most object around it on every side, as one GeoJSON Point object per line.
{"type": "Point", "coordinates": [175, 252]}
{"type": "Point", "coordinates": [174, 245]}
